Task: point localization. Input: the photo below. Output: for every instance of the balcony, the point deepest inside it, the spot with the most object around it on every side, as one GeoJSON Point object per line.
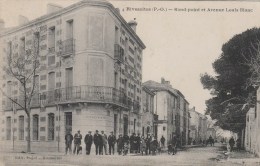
{"type": "Point", "coordinates": [119, 54]}
{"type": "Point", "coordinates": [67, 47]}
{"type": "Point", "coordinates": [136, 106]}
{"type": "Point", "coordinates": [88, 94]}
{"type": "Point", "coordinates": [133, 105]}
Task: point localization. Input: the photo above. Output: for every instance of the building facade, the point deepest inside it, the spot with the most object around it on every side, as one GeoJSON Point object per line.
{"type": "Point", "coordinates": [211, 132]}
{"type": "Point", "coordinates": [250, 131]}
{"type": "Point", "coordinates": [149, 125]}
{"type": "Point", "coordinates": [198, 126]}
{"type": "Point", "coordinates": [89, 78]}
{"type": "Point", "coordinates": [173, 111]}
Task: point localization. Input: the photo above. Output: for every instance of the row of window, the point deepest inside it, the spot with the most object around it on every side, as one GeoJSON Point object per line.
{"type": "Point", "coordinates": [52, 84]}
{"type": "Point", "coordinates": [35, 127]}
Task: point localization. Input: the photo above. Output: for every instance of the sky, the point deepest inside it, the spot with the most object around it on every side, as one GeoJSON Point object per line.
{"type": "Point", "coordinates": [179, 45]}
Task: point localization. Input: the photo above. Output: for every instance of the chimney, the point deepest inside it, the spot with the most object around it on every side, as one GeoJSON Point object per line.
{"type": "Point", "coordinates": [2, 24]}
{"type": "Point", "coordinates": [51, 8]}
{"type": "Point", "coordinates": [22, 20]}
{"type": "Point", "coordinates": [133, 24]}
{"type": "Point", "coordinates": [162, 80]}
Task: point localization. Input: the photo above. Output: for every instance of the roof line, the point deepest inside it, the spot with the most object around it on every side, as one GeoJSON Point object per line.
{"type": "Point", "coordinates": [74, 6]}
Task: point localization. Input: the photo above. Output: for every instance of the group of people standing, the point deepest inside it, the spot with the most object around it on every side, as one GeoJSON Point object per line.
{"type": "Point", "coordinates": [100, 141]}
{"type": "Point", "coordinates": [136, 143]}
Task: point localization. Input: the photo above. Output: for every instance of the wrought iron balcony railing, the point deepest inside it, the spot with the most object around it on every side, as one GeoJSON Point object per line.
{"type": "Point", "coordinates": [119, 53]}
{"type": "Point", "coordinates": [94, 94]}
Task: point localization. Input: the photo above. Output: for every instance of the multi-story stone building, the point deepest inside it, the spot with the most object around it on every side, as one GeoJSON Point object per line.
{"type": "Point", "coordinates": [89, 77]}
{"type": "Point", "coordinates": [198, 126]}
{"type": "Point", "coordinates": [172, 109]}
{"type": "Point", "coordinates": [149, 125]}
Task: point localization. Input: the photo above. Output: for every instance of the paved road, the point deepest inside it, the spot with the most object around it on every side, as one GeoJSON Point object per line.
{"type": "Point", "coordinates": [199, 156]}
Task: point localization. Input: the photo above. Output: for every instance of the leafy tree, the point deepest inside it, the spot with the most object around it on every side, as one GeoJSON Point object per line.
{"type": "Point", "coordinates": [233, 87]}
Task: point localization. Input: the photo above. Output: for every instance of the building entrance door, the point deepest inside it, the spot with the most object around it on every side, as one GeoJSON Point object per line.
{"type": "Point", "coordinates": [125, 125]}
{"type": "Point", "coordinates": [115, 124]}
{"type": "Point", "coordinates": [68, 122]}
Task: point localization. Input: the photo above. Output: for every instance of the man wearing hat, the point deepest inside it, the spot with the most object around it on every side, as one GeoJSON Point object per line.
{"type": "Point", "coordinates": [77, 142]}
{"type": "Point", "coordinates": [88, 142]}
{"type": "Point", "coordinates": [98, 143]}
{"type": "Point", "coordinates": [120, 143]}
{"type": "Point", "coordinates": [68, 142]}
{"type": "Point", "coordinates": [111, 142]}
{"type": "Point", "coordinates": [104, 141]}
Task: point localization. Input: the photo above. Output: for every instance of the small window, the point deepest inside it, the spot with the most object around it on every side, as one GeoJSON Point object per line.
{"type": "Point", "coordinates": [51, 40]}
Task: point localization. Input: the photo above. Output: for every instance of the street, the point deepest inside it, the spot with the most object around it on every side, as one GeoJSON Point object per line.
{"type": "Point", "coordinates": [190, 156]}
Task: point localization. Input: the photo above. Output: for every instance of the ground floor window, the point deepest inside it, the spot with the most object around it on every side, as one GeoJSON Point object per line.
{"type": "Point", "coordinates": [8, 128]}
{"type": "Point", "coordinates": [51, 124]}
{"type": "Point", "coordinates": [21, 127]}
{"type": "Point", "coordinates": [35, 127]}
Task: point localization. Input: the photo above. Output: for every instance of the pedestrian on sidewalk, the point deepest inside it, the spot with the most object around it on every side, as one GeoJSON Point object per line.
{"type": "Point", "coordinates": [126, 144]}
{"type": "Point", "coordinates": [238, 144]}
{"type": "Point", "coordinates": [68, 142]}
{"type": "Point", "coordinates": [104, 141]}
{"type": "Point", "coordinates": [111, 142]}
{"type": "Point", "coordinates": [120, 143]}
{"type": "Point", "coordinates": [174, 145]}
{"type": "Point", "coordinates": [138, 142]}
{"type": "Point", "coordinates": [98, 143]}
{"type": "Point", "coordinates": [135, 144]}
{"type": "Point", "coordinates": [148, 142]}
{"type": "Point", "coordinates": [154, 145]}
{"type": "Point", "coordinates": [132, 137]}
{"type": "Point", "coordinates": [142, 145]}
{"type": "Point", "coordinates": [88, 141]}
{"type": "Point", "coordinates": [162, 140]}
{"type": "Point", "coordinates": [231, 144]}
{"type": "Point", "coordinates": [77, 142]}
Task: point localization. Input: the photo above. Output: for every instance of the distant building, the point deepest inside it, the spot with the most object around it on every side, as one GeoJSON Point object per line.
{"type": "Point", "coordinates": [211, 132]}
{"type": "Point", "coordinates": [172, 109]}
{"type": "Point", "coordinates": [198, 126]}
{"type": "Point", "coordinates": [149, 123]}
{"type": "Point", "coordinates": [89, 78]}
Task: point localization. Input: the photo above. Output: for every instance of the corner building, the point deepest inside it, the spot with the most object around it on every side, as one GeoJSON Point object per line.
{"type": "Point", "coordinates": [89, 77]}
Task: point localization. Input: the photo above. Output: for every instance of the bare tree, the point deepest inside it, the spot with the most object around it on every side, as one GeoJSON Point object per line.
{"type": "Point", "coordinates": [252, 60]}
{"type": "Point", "coordinates": [22, 67]}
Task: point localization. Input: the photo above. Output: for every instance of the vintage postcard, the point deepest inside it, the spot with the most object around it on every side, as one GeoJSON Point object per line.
{"type": "Point", "coordinates": [99, 82]}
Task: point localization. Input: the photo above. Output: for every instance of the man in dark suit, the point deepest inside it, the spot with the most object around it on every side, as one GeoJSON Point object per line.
{"type": "Point", "coordinates": [98, 143]}
{"type": "Point", "coordinates": [111, 142]}
{"type": "Point", "coordinates": [68, 142]}
{"type": "Point", "coordinates": [88, 142]}
{"type": "Point", "coordinates": [77, 142]}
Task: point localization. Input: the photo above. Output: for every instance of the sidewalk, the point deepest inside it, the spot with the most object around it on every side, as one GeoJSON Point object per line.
{"type": "Point", "coordinates": [243, 157]}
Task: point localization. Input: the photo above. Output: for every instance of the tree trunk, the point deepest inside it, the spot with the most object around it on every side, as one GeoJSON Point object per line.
{"type": "Point", "coordinates": [29, 134]}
